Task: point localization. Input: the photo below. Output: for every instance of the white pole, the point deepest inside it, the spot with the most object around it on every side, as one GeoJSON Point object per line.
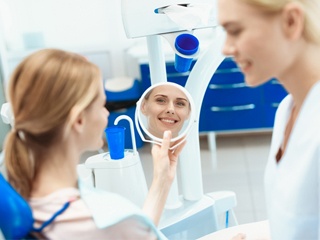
{"type": "Point", "coordinates": [197, 83]}
{"type": "Point", "coordinates": [158, 74]}
{"type": "Point", "coordinates": [157, 61]}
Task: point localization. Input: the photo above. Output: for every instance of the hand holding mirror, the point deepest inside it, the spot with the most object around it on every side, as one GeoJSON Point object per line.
{"type": "Point", "coordinates": [165, 106]}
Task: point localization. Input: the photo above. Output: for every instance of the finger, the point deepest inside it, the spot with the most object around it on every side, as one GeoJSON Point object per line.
{"type": "Point", "coordinates": [166, 140]}
{"type": "Point", "coordinates": [179, 148]}
{"type": "Point", "coordinates": [240, 236]}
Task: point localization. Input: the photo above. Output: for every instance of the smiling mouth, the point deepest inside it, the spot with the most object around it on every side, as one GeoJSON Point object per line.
{"type": "Point", "coordinates": [169, 121]}
{"type": "Point", "coordinates": [244, 65]}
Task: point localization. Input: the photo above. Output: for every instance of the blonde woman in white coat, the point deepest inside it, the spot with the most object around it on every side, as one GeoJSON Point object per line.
{"type": "Point", "coordinates": [281, 39]}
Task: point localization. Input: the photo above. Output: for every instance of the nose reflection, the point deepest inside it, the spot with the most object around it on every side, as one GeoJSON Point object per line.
{"type": "Point", "coordinates": [170, 108]}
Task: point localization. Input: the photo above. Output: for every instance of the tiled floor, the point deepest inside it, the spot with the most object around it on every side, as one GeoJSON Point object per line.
{"type": "Point", "coordinates": [240, 168]}
{"type": "Point", "coordinates": [241, 159]}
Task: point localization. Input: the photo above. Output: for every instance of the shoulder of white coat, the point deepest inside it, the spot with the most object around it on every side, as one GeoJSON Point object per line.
{"type": "Point", "coordinates": [283, 107]}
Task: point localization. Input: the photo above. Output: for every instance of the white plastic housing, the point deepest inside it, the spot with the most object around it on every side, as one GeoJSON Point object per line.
{"type": "Point", "coordinates": [124, 176]}
{"type": "Point", "coordinates": [140, 20]}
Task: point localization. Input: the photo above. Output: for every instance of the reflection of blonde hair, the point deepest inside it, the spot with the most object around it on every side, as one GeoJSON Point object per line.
{"type": "Point", "coordinates": [311, 9]}
{"type": "Point", "coordinates": [46, 91]}
{"type": "Point", "coordinates": [146, 97]}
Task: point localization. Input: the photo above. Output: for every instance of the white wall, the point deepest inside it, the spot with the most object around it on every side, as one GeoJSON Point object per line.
{"type": "Point", "coordinates": [91, 27]}
{"type": "Point", "coordinates": [71, 24]}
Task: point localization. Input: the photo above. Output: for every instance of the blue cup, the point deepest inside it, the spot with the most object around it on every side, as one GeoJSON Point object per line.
{"type": "Point", "coordinates": [186, 44]}
{"type": "Point", "coordinates": [115, 139]}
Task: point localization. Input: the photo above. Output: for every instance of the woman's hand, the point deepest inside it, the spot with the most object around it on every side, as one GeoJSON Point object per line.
{"type": "Point", "coordinates": [165, 160]}
{"type": "Point", "coordinates": [164, 170]}
{"type": "Point", "coordinates": [239, 236]}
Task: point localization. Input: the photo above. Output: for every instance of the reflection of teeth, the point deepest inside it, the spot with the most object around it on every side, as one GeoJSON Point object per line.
{"type": "Point", "coordinates": [167, 120]}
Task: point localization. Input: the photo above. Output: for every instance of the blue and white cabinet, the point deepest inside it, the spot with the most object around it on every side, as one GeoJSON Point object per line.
{"type": "Point", "coordinates": [229, 104]}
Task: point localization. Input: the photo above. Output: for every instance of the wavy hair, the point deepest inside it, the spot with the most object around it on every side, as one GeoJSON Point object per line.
{"type": "Point", "coordinates": [47, 91]}
{"type": "Point", "coordinates": [311, 9]}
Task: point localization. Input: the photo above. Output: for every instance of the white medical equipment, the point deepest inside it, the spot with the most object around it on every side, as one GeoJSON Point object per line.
{"type": "Point", "coordinates": [192, 214]}
{"type": "Point", "coordinates": [199, 213]}
{"type": "Point", "coordinates": [123, 176]}
{"type": "Point", "coordinates": [6, 114]}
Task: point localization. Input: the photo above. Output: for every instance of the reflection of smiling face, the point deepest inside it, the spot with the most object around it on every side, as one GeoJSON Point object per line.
{"type": "Point", "coordinates": [167, 108]}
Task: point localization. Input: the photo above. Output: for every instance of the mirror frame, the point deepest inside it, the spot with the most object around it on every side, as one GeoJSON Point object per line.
{"type": "Point", "coordinates": [154, 139]}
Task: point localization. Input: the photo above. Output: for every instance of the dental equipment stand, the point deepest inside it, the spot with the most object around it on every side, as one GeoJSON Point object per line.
{"type": "Point", "coordinates": [198, 215]}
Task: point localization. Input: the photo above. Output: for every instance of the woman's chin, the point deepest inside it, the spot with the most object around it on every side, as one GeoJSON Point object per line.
{"type": "Point", "coordinates": [98, 146]}
{"type": "Point", "coordinates": [254, 81]}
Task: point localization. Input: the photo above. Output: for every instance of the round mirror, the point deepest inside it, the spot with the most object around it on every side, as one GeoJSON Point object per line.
{"type": "Point", "coordinates": [164, 106]}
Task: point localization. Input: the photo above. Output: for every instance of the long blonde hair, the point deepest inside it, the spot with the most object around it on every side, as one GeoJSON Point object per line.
{"type": "Point", "coordinates": [46, 91]}
{"type": "Point", "coordinates": [311, 9]}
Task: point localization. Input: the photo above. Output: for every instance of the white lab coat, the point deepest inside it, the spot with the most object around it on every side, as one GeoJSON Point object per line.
{"type": "Point", "coordinates": [292, 185]}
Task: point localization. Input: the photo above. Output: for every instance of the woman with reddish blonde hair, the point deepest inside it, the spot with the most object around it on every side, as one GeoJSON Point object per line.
{"type": "Point", "coordinates": [58, 103]}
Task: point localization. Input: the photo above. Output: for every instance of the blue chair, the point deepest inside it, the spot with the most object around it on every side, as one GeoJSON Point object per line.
{"type": "Point", "coordinates": [16, 219]}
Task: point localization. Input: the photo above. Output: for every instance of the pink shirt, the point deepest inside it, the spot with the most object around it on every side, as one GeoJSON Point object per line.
{"type": "Point", "coordinates": [77, 222]}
